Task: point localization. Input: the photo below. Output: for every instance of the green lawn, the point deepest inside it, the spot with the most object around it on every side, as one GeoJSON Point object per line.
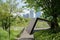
{"type": "Point", "coordinates": [41, 35]}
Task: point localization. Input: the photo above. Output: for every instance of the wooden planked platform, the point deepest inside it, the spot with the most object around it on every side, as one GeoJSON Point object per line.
{"type": "Point", "coordinates": [26, 36]}
{"type": "Point", "coordinates": [31, 25]}
{"type": "Point", "coordinates": [27, 32]}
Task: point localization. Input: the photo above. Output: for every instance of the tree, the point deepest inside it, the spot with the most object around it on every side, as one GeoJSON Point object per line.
{"type": "Point", "coordinates": [4, 14]}
{"type": "Point", "coordinates": [50, 8]}
{"type": "Point", "coordinates": [6, 10]}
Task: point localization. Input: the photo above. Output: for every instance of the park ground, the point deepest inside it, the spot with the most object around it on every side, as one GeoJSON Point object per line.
{"type": "Point", "coordinates": [40, 35]}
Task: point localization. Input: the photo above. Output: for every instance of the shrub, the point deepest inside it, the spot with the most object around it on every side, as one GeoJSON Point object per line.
{"type": "Point", "coordinates": [4, 34]}
{"type": "Point", "coordinates": [47, 35]}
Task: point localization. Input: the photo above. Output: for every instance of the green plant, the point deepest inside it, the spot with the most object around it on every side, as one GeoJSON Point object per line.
{"type": "Point", "coordinates": [47, 35]}
{"type": "Point", "coordinates": [3, 34]}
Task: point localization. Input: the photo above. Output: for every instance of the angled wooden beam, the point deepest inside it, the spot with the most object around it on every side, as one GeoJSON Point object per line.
{"type": "Point", "coordinates": [32, 24]}
{"type": "Point", "coordinates": [43, 19]}
{"type": "Point", "coordinates": [26, 33]}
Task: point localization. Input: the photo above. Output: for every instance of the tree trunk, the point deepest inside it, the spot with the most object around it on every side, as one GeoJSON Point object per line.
{"type": "Point", "coordinates": [2, 24]}
{"type": "Point", "coordinates": [54, 24]}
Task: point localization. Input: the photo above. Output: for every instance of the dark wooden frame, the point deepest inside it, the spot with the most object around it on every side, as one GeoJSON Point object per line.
{"type": "Point", "coordinates": [31, 32]}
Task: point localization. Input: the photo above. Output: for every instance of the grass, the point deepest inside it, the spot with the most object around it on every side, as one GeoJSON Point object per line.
{"type": "Point", "coordinates": [21, 23]}
{"type": "Point", "coordinates": [42, 24]}
{"type": "Point", "coordinates": [41, 35]}
{"type": "Point", "coordinates": [3, 34]}
{"type": "Point", "coordinates": [47, 35]}
{"type": "Point", "coordinates": [14, 32]}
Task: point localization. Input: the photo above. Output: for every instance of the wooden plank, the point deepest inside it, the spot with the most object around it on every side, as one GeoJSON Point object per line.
{"type": "Point", "coordinates": [31, 25]}
{"type": "Point", "coordinates": [26, 36]}
{"type": "Point", "coordinates": [26, 33]}
{"type": "Point", "coordinates": [43, 19]}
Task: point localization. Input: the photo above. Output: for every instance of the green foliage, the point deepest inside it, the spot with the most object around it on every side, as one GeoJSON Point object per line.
{"type": "Point", "coordinates": [14, 34]}
{"type": "Point", "coordinates": [20, 21]}
{"type": "Point", "coordinates": [7, 19]}
{"type": "Point", "coordinates": [6, 10]}
{"type": "Point", "coordinates": [47, 35]}
{"type": "Point", "coordinates": [12, 5]}
{"type": "Point", "coordinates": [3, 34]}
{"type": "Point", "coordinates": [50, 8]}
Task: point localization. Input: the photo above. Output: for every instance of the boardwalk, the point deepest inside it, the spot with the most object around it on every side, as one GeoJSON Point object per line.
{"type": "Point", "coordinates": [27, 33]}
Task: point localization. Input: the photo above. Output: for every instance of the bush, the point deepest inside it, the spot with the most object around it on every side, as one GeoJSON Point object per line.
{"type": "Point", "coordinates": [3, 35]}
{"type": "Point", "coordinates": [47, 35]}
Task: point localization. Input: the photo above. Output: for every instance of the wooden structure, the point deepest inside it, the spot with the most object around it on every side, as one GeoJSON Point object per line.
{"type": "Point", "coordinates": [27, 32]}
{"type": "Point", "coordinates": [32, 24]}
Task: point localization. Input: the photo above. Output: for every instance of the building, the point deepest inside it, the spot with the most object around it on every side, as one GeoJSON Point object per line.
{"type": "Point", "coordinates": [26, 15]}
{"type": "Point", "coordinates": [31, 15]}
{"type": "Point", "coordinates": [37, 15]}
